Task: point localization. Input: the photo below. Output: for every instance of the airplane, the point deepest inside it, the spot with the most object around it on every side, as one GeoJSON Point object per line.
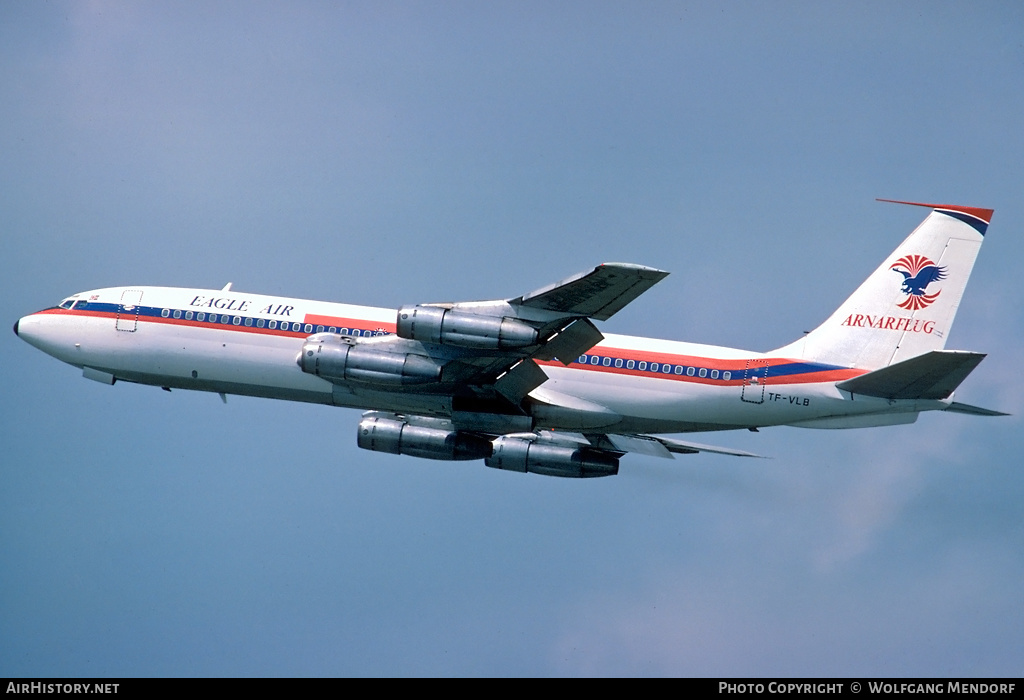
{"type": "Point", "coordinates": [529, 384]}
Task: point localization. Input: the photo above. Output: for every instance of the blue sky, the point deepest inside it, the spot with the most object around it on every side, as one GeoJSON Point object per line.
{"type": "Point", "coordinates": [394, 153]}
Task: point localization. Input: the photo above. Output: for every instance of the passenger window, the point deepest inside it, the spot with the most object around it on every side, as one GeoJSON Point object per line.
{"type": "Point", "coordinates": [177, 313]}
{"type": "Point", "coordinates": [678, 369]}
{"type": "Point", "coordinates": [714, 374]}
{"type": "Point", "coordinates": [213, 318]}
{"type": "Point", "coordinates": [272, 325]}
{"type": "Point", "coordinates": [654, 366]}
{"type": "Point", "coordinates": [618, 362]}
{"type": "Point", "coordinates": [642, 366]}
{"type": "Point", "coordinates": [690, 371]}
{"type": "Point", "coordinates": [594, 359]}
{"type": "Point", "coordinates": [260, 323]}
{"type": "Point", "coordinates": [201, 316]}
{"type": "Point", "coordinates": [703, 372]}
{"type": "Point", "coordinates": [630, 364]}
{"type": "Point", "coordinates": [726, 376]}
{"type": "Point", "coordinates": [166, 313]}
{"type": "Point", "coordinates": [309, 328]}
{"type": "Point", "coordinates": [188, 315]}
{"type": "Point", "coordinates": [237, 320]}
{"type": "Point", "coordinates": [248, 321]}
{"type": "Point", "coordinates": [582, 359]}
{"type": "Point", "coordinates": [607, 362]}
{"type": "Point", "coordinates": [332, 329]}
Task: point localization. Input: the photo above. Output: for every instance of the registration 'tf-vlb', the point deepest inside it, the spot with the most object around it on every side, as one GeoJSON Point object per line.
{"type": "Point", "coordinates": [530, 384]}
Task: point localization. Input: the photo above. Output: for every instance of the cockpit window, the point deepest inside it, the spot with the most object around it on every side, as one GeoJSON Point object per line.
{"type": "Point", "coordinates": [66, 304]}
{"type": "Point", "coordinates": [81, 304]}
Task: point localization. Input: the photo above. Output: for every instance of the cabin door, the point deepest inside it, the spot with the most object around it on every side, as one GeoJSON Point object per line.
{"type": "Point", "coordinates": [755, 379]}
{"type": "Point", "coordinates": [128, 311]}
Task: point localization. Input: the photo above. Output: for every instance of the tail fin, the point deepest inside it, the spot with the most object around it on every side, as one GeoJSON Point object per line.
{"type": "Point", "coordinates": [906, 307]}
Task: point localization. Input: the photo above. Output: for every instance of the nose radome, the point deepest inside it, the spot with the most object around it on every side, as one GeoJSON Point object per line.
{"type": "Point", "coordinates": [16, 326]}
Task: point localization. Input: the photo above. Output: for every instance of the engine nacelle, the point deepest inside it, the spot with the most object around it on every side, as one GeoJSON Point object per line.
{"type": "Point", "coordinates": [336, 360]}
{"type": "Point", "coordinates": [399, 437]}
{"type": "Point", "coordinates": [434, 324]}
{"type": "Point", "coordinates": [523, 455]}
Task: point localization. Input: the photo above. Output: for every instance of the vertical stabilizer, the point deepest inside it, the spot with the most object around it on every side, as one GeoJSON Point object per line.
{"type": "Point", "coordinates": [906, 307]}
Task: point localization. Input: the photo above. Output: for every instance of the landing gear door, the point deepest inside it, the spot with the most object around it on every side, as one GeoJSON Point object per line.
{"type": "Point", "coordinates": [128, 311]}
{"type": "Point", "coordinates": [755, 379]}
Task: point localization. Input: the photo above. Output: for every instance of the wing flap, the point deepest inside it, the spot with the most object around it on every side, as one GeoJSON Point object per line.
{"type": "Point", "coordinates": [571, 342]}
{"type": "Point", "coordinates": [656, 446]}
{"type": "Point", "coordinates": [681, 447]}
{"type": "Point", "coordinates": [520, 380]}
{"type": "Point", "coordinates": [640, 445]}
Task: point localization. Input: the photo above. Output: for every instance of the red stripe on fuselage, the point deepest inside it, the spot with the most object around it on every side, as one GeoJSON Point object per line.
{"type": "Point", "coordinates": [317, 319]}
{"type": "Point", "coordinates": [820, 377]}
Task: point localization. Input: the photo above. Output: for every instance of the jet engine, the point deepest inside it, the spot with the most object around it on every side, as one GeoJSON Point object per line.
{"type": "Point", "coordinates": [527, 455]}
{"type": "Point", "coordinates": [428, 438]}
{"type": "Point", "coordinates": [434, 324]}
{"type": "Point", "coordinates": [334, 359]}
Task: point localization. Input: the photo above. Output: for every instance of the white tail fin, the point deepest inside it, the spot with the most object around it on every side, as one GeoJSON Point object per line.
{"type": "Point", "coordinates": [906, 307]}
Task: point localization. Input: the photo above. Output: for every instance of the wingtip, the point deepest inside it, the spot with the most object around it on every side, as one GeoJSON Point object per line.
{"type": "Point", "coordinates": [643, 269]}
{"type": "Point", "coordinates": [957, 407]}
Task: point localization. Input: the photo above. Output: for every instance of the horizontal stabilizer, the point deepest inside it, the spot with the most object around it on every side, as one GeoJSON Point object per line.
{"type": "Point", "coordinates": [933, 375]}
{"type": "Point", "coordinates": [957, 407]}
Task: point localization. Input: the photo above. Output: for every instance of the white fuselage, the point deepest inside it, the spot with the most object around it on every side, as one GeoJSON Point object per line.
{"type": "Point", "coordinates": [239, 343]}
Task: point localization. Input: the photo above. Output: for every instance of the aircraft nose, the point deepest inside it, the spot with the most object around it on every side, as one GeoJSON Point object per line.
{"type": "Point", "coordinates": [16, 326]}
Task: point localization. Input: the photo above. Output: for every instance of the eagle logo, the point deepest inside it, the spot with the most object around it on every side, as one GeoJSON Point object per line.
{"type": "Point", "coordinates": [918, 272]}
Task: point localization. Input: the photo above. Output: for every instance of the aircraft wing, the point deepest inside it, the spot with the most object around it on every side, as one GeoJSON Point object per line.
{"type": "Point", "coordinates": [650, 445]}
{"type": "Point", "coordinates": [491, 346]}
{"type": "Point", "coordinates": [577, 455]}
{"type": "Point", "coordinates": [597, 293]}
{"type": "Point", "coordinates": [593, 294]}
